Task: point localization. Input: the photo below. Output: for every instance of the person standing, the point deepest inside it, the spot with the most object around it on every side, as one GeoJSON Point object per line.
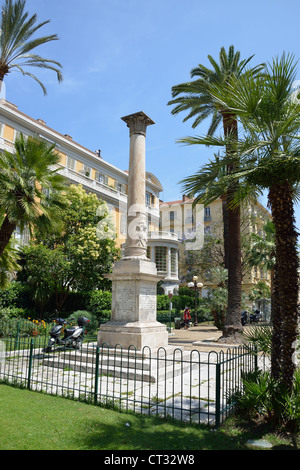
{"type": "Point", "coordinates": [186, 317]}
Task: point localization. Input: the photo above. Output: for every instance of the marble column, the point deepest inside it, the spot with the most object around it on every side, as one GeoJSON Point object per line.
{"type": "Point", "coordinates": [136, 243]}
{"type": "Point", "coordinates": [134, 278]}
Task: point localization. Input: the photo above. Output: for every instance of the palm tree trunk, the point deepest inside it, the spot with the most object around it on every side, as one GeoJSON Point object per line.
{"type": "Point", "coordinates": [272, 294]}
{"type": "Point", "coordinates": [225, 228]}
{"type": "Point", "coordinates": [233, 327]}
{"type": "Point", "coordinates": [276, 329]}
{"type": "Point", "coordinates": [286, 284]}
{"type": "Point", "coordinates": [6, 230]}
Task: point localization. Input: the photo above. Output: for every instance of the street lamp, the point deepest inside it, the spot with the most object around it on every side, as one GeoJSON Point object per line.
{"type": "Point", "coordinates": [194, 285]}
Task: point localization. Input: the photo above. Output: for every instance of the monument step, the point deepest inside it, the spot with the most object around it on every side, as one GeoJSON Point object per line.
{"type": "Point", "coordinates": [146, 369]}
{"type": "Point", "coordinates": [163, 352]}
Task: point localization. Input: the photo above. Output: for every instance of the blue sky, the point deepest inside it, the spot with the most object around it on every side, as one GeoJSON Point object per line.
{"type": "Point", "coordinates": [120, 57]}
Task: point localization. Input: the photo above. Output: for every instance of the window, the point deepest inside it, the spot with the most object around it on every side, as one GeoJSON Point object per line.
{"type": "Point", "coordinates": [118, 186]}
{"type": "Point", "coordinates": [173, 261]}
{"type": "Point", "coordinates": [18, 135]}
{"type": "Point", "coordinates": [207, 216]}
{"type": "Point", "coordinates": [148, 200]}
{"type": "Point", "coordinates": [173, 215]}
{"type": "Point", "coordinates": [161, 258]}
{"type": "Point", "coordinates": [86, 170]}
{"type": "Point", "coordinates": [99, 177]}
{"type": "Point", "coordinates": [189, 216]}
{"type": "Point", "coordinates": [71, 163]}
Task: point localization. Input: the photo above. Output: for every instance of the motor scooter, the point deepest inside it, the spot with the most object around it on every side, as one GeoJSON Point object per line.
{"type": "Point", "coordinates": [73, 336]}
{"type": "Point", "coordinates": [255, 317]}
{"type": "Point", "coordinates": [244, 317]}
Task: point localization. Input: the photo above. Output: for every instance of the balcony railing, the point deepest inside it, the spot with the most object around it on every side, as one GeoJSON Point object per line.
{"type": "Point", "coordinates": [163, 235]}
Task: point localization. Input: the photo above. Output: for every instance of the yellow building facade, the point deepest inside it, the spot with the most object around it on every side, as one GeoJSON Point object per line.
{"type": "Point", "coordinates": [193, 226]}
{"type": "Point", "coordinates": [82, 166]}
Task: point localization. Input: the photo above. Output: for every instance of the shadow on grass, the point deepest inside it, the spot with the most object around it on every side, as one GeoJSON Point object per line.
{"type": "Point", "coordinates": [146, 433]}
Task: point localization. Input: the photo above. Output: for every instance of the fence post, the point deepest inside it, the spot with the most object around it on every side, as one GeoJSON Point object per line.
{"type": "Point", "coordinates": [17, 335]}
{"type": "Point", "coordinates": [30, 364]}
{"type": "Point", "coordinates": [218, 394]}
{"type": "Point", "coordinates": [96, 374]}
{"type": "Point", "coordinates": [255, 357]}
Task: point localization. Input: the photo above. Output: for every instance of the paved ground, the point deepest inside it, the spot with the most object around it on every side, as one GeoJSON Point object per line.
{"type": "Point", "coordinates": [201, 338]}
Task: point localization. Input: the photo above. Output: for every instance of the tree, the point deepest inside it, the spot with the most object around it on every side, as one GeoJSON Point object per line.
{"type": "Point", "coordinates": [30, 189]}
{"type": "Point", "coordinates": [17, 42]}
{"type": "Point", "coordinates": [46, 273]}
{"type": "Point", "coordinates": [200, 101]}
{"type": "Point", "coordinates": [262, 253]}
{"type": "Point", "coordinates": [9, 263]}
{"type": "Point", "coordinates": [218, 297]}
{"type": "Point", "coordinates": [80, 255]}
{"type": "Point", "coordinates": [269, 155]}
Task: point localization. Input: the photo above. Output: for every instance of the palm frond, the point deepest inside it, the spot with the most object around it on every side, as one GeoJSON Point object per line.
{"type": "Point", "coordinates": [17, 42]}
{"type": "Point", "coordinates": [190, 96]}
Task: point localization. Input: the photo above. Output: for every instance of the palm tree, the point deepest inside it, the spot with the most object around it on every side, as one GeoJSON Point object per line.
{"type": "Point", "coordinates": [269, 157]}
{"type": "Point", "coordinates": [17, 43]}
{"type": "Point", "coordinates": [9, 263]}
{"type": "Point", "coordinates": [30, 189]}
{"type": "Point", "coordinates": [263, 253]}
{"type": "Point", "coordinates": [198, 99]}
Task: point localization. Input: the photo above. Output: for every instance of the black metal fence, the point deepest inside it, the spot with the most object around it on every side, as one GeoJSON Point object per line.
{"type": "Point", "coordinates": [190, 386]}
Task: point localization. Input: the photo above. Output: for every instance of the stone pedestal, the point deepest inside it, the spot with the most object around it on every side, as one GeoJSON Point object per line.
{"type": "Point", "coordinates": [133, 321]}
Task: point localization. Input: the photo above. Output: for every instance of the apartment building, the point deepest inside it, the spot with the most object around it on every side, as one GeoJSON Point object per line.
{"type": "Point", "coordinates": [82, 166]}
{"type": "Point", "coordinates": [193, 226]}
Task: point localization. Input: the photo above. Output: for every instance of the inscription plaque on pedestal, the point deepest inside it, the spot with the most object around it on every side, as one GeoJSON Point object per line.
{"type": "Point", "coordinates": [124, 301]}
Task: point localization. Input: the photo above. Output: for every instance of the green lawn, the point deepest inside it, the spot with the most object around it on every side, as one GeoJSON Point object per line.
{"type": "Point", "coordinates": [35, 421]}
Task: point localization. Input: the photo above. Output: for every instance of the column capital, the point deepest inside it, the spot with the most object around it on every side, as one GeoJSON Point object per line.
{"type": "Point", "coordinates": [137, 122]}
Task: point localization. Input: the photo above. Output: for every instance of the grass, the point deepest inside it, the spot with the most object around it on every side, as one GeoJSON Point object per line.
{"type": "Point", "coordinates": [35, 421]}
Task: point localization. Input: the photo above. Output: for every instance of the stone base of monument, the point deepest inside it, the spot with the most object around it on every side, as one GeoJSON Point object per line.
{"type": "Point", "coordinates": [137, 334]}
{"type": "Point", "coordinates": [133, 319]}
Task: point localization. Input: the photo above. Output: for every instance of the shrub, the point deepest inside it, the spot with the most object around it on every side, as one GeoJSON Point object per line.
{"type": "Point", "coordinates": [101, 298]}
{"type": "Point", "coordinates": [265, 396]}
{"type": "Point", "coordinates": [13, 312]}
{"type": "Point", "coordinates": [15, 295]}
{"type": "Point", "coordinates": [105, 316]}
{"type": "Point", "coordinates": [181, 301]}
{"type": "Point", "coordinates": [97, 301]}
{"type": "Point", "coordinates": [11, 326]}
{"type": "Point", "coordinates": [163, 316]}
{"type": "Point", "coordinates": [261, 336]}
{"type": "Point", "coordinates": [163, 302]}
{"type": "Point", "coordinates": [186, 291]}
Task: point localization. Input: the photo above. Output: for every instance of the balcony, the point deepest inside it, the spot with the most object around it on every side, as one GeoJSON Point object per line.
{"type": "Point", "coordinates": [163, 236]}
{"type": "Point", "coordinates": [86, 181]}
